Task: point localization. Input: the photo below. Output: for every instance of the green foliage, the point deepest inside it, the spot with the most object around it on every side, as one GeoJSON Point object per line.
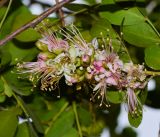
{"type": "Point", "coordinates": [85, 117]}
{"type": "Point", "coordinates": [63, 126]}
{"type": "Point", "coordinates": [102, 27]}
{"type": "Point", "coordinates": [130, 16]}
{"type": "Point", "coordinates": [123, 22]}
{"type": "Point", "coordinates": [23, 17]}
{"type": "Point", "coordinates": [152, 57]}
{"type": "Point", "coordinates": [143, 34]}
{"type": "Point", "coordinates": [115, 97]}
{"type": "Point", "coordinates": [24, 52]}
{"type": "Point", "coordinates": [135, 27]}
{"type": "Point", "coordinates": [76, 7]}
{"type": "Point", "coordinates": [5, 58]}
{"type": "Point", "coordinates": [108, 2]}
{"type": "Point", "coordinates": [9, 122]}
{"type": "Point", "coordinates": [7, 89]}
{"type": "Point", "coordinates": [22, 130]}
{"type": "Point", "coordinates": [2, 11]}
{"type": "Point", "coordinates": [1, 85]}
{"type": "Point", "coordinates": [135, 121]}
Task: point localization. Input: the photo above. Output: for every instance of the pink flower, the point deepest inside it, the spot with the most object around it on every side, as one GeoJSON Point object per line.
{"type": "Point", "coordinates": [75, 37]}
{"type": "Point", "coordinates": [98, 66]}
{"type": "Point", "coordinates": [55, 44]}
{"type": "Point", "coordinates": [100, 90]}
{"type": "Point", "coordinates": [132, 101]}
{"type": "Point", "coordinates": [111, 57]}
{"type": "Point", "coordinates": [32, 67]}
{"type": "Point", "coordinates": [111, 81]}
{"type": "Point", "coordinates": [113, 62]}
{"type": "Point", "coordinates": [42, 57]}
{"type": "Point", "coordinates": [118, 64]}
{"type": "Point", "coordinates": [85, 58]}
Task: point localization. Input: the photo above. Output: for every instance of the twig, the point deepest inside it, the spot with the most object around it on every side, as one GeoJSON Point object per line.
{"type": "Point", "coordinates": [5, 15]}
{"type": "Point", "coordinates": [152, 73]}
{"type": "Point", "coordinates": [77, 119]}
{"type": "Point", "coordinates": [35, 21]}
{"type": "Point", "coordinates": [61, 15]}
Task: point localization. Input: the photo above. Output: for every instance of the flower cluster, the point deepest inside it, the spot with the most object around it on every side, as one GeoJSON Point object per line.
{"type": "Point", "coordinates": [66, 54]}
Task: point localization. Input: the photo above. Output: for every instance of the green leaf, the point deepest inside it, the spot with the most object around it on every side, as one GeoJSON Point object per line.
{"type": "Point", "coordinates": [6, 29]}
{"type": "Point", "coordinates": [124, 0]}
{"type": "Point", "coordinates": [141, 35]}
{"type": "Point", "coordinates": [116, 44]}
{"type": "Point", "coordinates": [62, 125]}
{"type": "Point", "coordinates": [108, 2]}
{"type": "Point", "coordinates": [20, 86]}
{"type": "Point", "coordinates": [102, 26]}
{"type": "Point", "coordinates": [95, 129]}
{"type": "Point", "coordinates": [53, 109]}
{"type": "Point", "coordinates": [152, 57]}
{"type": "Point", "coordinates": [71, 133]}
{"type": "Point", "coordinates": [2, 98]}
{"type": "Point", "coordinates": [115, 96]}
{"type": "Point", "coordinates": [24, 53]}
{"type": "Point", "coordinates": [143, 96]}
{"type": "Point", "coordinates": [22, 18]}
{"type": "Point", "coordinates": [22, 130]}
{"type": "Point", "coordinates": [5, 58]}
{"type": "Point", "coordinates": [7, 89]}
{"type": "Point", "coordinates": [2, 11]}
{"type": "Point", "coordinates": [91, 2]}
{"type": "Point", "coordinates": [76, 7]}
{"type": "Point", "coordinates": [86, 34]}
{"type": "Point", "coordinates": [33, 116]}
{"type": "Point", "coordinates": [85, 117]}
{"type": "Point", "coordinates": [1, 85]}
{"type": "Point", "coordinates": [131, 16]}
{"type": "Point", "coordinates": [135, 121]}
{"type": "Point", "coordinates": [8, 124]}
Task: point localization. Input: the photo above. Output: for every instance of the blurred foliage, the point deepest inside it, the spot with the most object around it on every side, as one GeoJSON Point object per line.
{"type": "Point", "coordinates": [42, 114]}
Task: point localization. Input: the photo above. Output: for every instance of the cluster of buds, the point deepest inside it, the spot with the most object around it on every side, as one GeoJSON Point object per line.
{"type": "Point", "coordinates": [66, 54]}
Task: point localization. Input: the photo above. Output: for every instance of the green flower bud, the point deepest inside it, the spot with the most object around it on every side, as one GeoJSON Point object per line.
{"type": "Point", "coordinates": [78, 62]}
{"type": "Point", "coordinates": [80, 71]}
{"type": "Point", "coordinates": [72, 52]}
{"type": "Point", "coordinates": [41, 46]}
{"type": "Point", "coordinates": [49, 55]}
{"type": "Point", "coordinates": [57, 51]}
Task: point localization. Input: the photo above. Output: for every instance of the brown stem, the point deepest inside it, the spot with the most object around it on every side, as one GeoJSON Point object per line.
{"type": "Point", "coordinates": [61, 15]}
{"type": "Point", "coordinates": [34, 22]}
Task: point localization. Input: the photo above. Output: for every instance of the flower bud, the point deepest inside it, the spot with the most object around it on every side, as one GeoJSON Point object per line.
{"type": "Point", "coordinates": [79, 72]}
{"type": "Point", "coordinates": [86, 59]}
{"type": "Point", "coordinates": [41, 46]}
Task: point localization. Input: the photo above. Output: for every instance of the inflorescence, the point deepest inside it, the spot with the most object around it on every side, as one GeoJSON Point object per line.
{"type": "Point", "coordinates": [66, 54]}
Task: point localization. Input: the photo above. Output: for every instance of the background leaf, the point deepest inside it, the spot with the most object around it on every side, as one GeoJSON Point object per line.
{"type": "Point", "coordinates": [62, 125]}
{"type": "Point", "coordinates": [131, 16]}
{"type": "Point", "coordinates": [22, 130]}
{"type": "Point", "coordinates": [8, 123]}
{"type": "Point", "coordinates": [102, 26]}
{"type": "Point", "coordinates": [20, 86]}
{"type": "Point", "coordinates": [115, 96]}
{"type": "Point", "coordinates": [23, 17]}
{"type": "Point", "coordinates": [25, 52]}
{"type": "Point", "coordinates": [141, 35]}
{"type": "Point", "coordinates": [85, 117]}
{"type": "Point", "coordinates": [135, 121]}
{"type": "Point", "coordinates": [152, 57]}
